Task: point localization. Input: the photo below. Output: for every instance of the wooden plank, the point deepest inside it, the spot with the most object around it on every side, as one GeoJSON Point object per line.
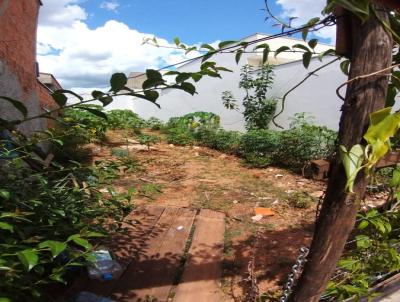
{"type": "Point", "coordinates": [200, 280]}
{"type": "Point", "coordinates": [150, 276]}
{"type": "Point", "coordinates": [125, 246]}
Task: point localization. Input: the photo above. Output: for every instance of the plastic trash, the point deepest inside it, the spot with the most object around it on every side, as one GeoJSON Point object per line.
{"type": "Point", "coordinates": [89, 297]}
{"type": "Point", "coordinates": [104, 267]}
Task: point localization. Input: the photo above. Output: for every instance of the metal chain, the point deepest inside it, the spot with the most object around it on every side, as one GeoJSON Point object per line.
{"type": "Point", "coordinates": [294, 274]}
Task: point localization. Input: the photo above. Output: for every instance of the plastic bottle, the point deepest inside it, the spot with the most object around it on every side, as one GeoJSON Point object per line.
{"type": "Point", "coordinates": [104, 267]}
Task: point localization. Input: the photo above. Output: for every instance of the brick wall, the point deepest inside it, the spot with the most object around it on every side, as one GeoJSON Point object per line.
{"type": "Point", "coordinates": [18, 73]}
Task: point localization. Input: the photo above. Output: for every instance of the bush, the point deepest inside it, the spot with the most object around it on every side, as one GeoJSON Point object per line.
{"type": "Point", "coordinates": [303, 144]}
{"type": "Point", "coordinates": [221, 140]}
{"type": "Point", "coordinates": [124, 119]}
{"type": "Point", "coordinates": [48, 224]}
{"type": "Point", "coordinates": [154, 123]}
{"type": "Point", "coordinates": [180, 137]}
{"type": "Point", "coordinates": [148, 140]}
{"type": "Point", "coordinates": [80, 126]}
{"type": "Point", "coordinates": [259, 147]}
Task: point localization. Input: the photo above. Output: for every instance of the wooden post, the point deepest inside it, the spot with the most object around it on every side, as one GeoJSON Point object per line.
{"type": "Point", "coordinates": [371, 52]}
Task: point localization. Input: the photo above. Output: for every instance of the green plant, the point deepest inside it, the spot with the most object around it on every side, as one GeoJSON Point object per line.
{"type": "Point", "coordinates": [259, 147]}
{"type": "Point", "coordinates": [148, 140]}
{"type": "Point", "coordinates": [48, 224]}
{"type": "Point", "coordinates": [374, 254]}
{"type": "Point", "coordinates": [301, 200]}
{"type": "Point", "coordinates": [221, 140]}
{"type": "Point", "coordinates": [154, 123]}
{"type": "Point", "coordinates": [258, 109]}
{"type": "Point", "coordinates": [124, 119]}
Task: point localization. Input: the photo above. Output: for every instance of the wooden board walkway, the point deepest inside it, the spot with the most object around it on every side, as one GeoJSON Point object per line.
{"type": "Point", "coordinates": [203, 269]}
{"type": "Point", "coordinates": [151, 251]}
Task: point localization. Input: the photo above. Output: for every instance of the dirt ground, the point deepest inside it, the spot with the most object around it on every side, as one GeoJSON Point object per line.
{"type": "Point", "coordinates": [200, 178]}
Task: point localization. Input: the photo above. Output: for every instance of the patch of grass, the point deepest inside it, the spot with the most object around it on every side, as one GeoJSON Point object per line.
{"type": "Point", "coordinates": [301, 200]}
{"type": "Point", "coordinates": [150, 190]}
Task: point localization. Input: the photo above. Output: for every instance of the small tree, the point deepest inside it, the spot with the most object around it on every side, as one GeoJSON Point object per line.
{"type": "Point", "coordinates": [258, 109]}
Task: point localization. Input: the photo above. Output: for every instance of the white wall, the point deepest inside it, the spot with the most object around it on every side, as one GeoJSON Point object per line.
{"type": "Point", "coordinates": [317, 96]}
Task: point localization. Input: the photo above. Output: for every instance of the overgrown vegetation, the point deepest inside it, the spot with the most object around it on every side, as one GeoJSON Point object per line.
{"type": "Point", "coordinates": [291, 148]}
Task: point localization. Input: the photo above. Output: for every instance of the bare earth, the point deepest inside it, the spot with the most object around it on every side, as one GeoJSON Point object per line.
{"type": "Point", "coordinates": [199, 178]}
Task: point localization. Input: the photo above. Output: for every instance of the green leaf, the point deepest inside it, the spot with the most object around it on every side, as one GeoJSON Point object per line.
{"type": "Point", "coordinates": [391, 96]}
{"type": "Point", "coordinates": [225, 43]}
{"type": "Point", "coordinates": [118, 81]}
{"type": "Point", "coordinates": [17, 105]}
{"type": "Point", "coordinates": [7, 227]}
{"type": "Point", "coordinates": [395, 181]}
{"type": "Point", "coordinates": [238, 55]}
{"type": "Point", "coordinates": [352, 162]}
{"type": "Point", "coordinates": [64, 91]}
{"type": "Point", "coordinates": [325, 53]}
{"type": "Point", "coordinates": [59, 98]}
{"type": "Point", "coordinates": [189, 88]}
{"type": "Point", "coordinates": [149, 83]}
{"type": "Point", "coordinates": [2, 299]}
{"type": "Point", "coordinates": [265, 54]}
{"type": "Point", "coordinates": [153, 74]}
{"type": "Point", "coordinates": [55, 247]}
{"type": "Point", "coordinates": [307, 59]}
{"type": "Point", "coordinates": [196, 77]}
{"type": "Point", "coordinates": [148, 97]}
{"type": "Point", "coordinates": [345, 67]}
{"type": "Point", "coordinates": [151, 95]}
{"type": "Point", "coordinates": [363, 242]}
{"type": "Point", "coordinates": [177, 41]}
{"type": "Point", "coordinates": [281, 49]}
{"type": "Point", "coordinates": [5, 194]}
{"type": "Point", "coordinates": [208, 46]}
{"type": "Point", "coordinates": [93, 234]}
{"type": "Point", "coordinates": [182, 77]}
{"type": "Point", "coordinates": [313, 43]}
{"type": "Point", "coordinates": [363, 224]}
{"type": "Point", "coordinates": [106, 100]}
{"type": "Point", "coordinates": [28, 258]}
{"type": "Point", "coordinates": [94, 112]}
{"type": "Point", "coordinates": [80, 241]}
{"type": "Point", "coordinates": [96, 94]}
{"type": "Point", "coordinates": [304, 34]}
{"type": "Point", "coordinates": [302, 47]}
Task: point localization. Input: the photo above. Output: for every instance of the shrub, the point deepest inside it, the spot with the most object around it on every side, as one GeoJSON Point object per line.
{"type": "Point", "coordinates": [48, 223]}
{"type": "Point", "coordinates": [259, 147]}
{"type": "Point", "coordinates": [148, 140]}
{"type": "Point", "coordinates": [180, 137]}
{"type": "Point", "coordinates": [81, 126]}
{"type": "Point", "coordinates": [124, 119]}
{"type": "Point", "coordinates": [221, 140]}
{"type": "Point", "coordinates": [303, 144]}
{"type": "Point", "coordinates": [154, 123]}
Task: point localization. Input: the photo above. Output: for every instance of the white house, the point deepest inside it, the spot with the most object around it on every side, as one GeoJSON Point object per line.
{"type": "Point", "coordinates": [317, 96]}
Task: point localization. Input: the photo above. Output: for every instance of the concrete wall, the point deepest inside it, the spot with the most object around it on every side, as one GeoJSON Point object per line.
{"type": "Point", "coordinates": [317, 96]}
{"type": "Point", "coordinates": [18, 74]}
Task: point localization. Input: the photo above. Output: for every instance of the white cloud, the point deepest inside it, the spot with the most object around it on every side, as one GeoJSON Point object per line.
{"type": "Point", "coordinates": [60, 13]}
{"type": "Point", "coordinates": [304, 10]}
{"type": "Point", "coordinates": [80, 56]}
{"type": "Point", "coordinates": [110, 5]}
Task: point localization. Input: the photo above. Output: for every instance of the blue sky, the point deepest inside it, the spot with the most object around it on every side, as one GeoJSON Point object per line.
{"type": "Point", "coordinates": [82, 42]}
{"type": "Point", "coordinates": [192, 21]}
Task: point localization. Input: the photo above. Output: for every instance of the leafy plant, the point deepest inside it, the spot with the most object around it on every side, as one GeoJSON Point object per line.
{"type": "Point", "coordinates": [154, 123]}
{"type": "Point", "coordinates": [148, 140]}
{"type": "Point", "coordinates": [258, 109]}
{"type": "Point", "coordinates": [124, 119]}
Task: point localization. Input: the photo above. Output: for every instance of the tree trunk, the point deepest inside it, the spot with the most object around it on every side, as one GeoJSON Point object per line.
{"type": "Point", "coordinates": [372, 51]}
